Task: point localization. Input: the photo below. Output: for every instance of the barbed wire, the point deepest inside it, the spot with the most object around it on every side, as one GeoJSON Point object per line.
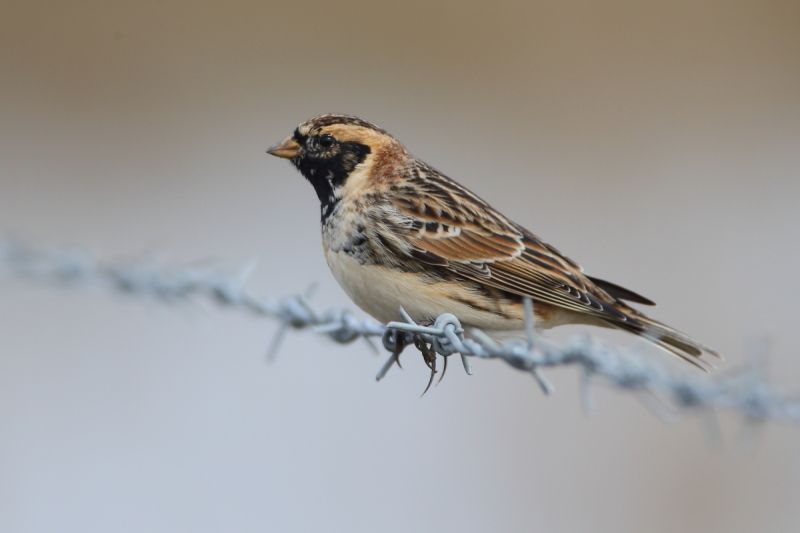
{"type": "Point", "coordinates": [743, 391]}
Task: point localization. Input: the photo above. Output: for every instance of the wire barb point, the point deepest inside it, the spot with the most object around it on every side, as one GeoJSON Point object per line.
{"type": "Point", "coordinates": [744, 392]}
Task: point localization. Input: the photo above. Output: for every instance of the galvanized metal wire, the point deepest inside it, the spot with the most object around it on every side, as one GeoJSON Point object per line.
{"type": "Point", "coordinates": [743, 391]}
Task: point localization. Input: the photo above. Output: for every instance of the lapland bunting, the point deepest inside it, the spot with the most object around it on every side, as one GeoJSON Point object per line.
{"type": "Point", "coordinates": [398, 233]}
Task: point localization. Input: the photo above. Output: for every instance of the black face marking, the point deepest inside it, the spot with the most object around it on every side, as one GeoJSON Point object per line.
{"type": "Point", "coordinates": [299, 137]}
{"type": "Point", "coordinates": [326, 164]}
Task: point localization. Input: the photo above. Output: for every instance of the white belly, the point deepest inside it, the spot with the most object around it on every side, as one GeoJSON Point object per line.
{"type": "Point", "coordinates": [381, 292]}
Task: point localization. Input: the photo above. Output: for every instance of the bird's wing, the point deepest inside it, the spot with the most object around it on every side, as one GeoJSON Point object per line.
{"type": "Point", "coordinates": [444, 224]}
{"type": "Point", "coordinates": [438, 222]}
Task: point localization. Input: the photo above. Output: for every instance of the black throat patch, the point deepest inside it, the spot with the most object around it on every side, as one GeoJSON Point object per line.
{"type": "Point", "coordinates": [328, 173]}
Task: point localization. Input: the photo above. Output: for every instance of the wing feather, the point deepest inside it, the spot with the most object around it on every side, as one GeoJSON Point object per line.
{"type": "Point", "coordinates": [442, 223]}
{"type": "Point", "coordinates": [450, 226]}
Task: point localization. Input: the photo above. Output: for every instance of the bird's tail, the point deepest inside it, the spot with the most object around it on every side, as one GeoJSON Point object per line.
{"type": "Point", "coordinates": [665, 337]}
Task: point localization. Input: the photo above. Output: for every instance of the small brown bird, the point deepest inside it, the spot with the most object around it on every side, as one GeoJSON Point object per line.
{"type": "Point", "coordinates": [397, 232]}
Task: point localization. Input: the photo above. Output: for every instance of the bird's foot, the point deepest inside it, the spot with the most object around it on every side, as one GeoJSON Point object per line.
{"type": "Point", "coordinates": [429, 356]}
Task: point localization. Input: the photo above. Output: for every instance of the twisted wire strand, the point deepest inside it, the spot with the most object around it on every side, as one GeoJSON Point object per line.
{"type": "Point", "coordinates": [743, 391]}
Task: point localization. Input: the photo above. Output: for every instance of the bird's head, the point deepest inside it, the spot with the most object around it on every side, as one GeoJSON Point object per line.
{"type": "Point", "coordinates": [329, 149]}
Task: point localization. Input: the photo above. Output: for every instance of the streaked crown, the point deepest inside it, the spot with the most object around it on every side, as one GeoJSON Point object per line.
{"type": "Point", "coordinates": [328, 148]}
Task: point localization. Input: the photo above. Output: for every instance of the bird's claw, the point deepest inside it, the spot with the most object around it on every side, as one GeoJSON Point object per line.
{"type": "Point", "coordinates": [429, 356]}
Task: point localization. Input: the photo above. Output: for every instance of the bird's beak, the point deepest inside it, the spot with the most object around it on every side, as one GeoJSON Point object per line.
{"type": "Point", "coordinates": [287, 149]}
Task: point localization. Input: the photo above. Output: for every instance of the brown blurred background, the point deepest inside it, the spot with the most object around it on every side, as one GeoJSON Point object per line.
{"type": "Point", "coordinates": [655, 142]}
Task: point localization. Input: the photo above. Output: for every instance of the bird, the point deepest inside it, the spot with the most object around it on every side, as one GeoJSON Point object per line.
{"type": "Point", "coordinates": [397, 233]}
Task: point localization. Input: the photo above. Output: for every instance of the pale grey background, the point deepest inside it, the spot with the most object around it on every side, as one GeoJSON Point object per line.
{"type": "Point", "coordinates": [655, 142]}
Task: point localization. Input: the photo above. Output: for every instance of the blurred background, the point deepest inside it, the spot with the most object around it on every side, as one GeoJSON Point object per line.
{"type": "Point", "coordinates": [658, 143]}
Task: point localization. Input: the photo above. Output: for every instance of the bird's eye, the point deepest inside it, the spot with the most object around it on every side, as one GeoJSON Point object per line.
{"type": "Point", "coordinates": [326, 141]}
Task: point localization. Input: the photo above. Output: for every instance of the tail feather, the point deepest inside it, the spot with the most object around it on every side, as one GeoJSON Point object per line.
{"type": "Point", "coordinates": [665, 337]}
{"type": "Point", "coordinates": [621, 293]}
{"type": "Point", "coordinates": [694, 360]}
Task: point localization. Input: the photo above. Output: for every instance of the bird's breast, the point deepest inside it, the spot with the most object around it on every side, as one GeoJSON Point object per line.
{"type": "Point", "coordinates": [345, 231]}
{"type": "Point", "coordinates": [377, 282]}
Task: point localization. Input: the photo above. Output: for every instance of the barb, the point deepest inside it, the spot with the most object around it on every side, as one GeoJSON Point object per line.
{"type": "Point", "coordinates": [744, 392]}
